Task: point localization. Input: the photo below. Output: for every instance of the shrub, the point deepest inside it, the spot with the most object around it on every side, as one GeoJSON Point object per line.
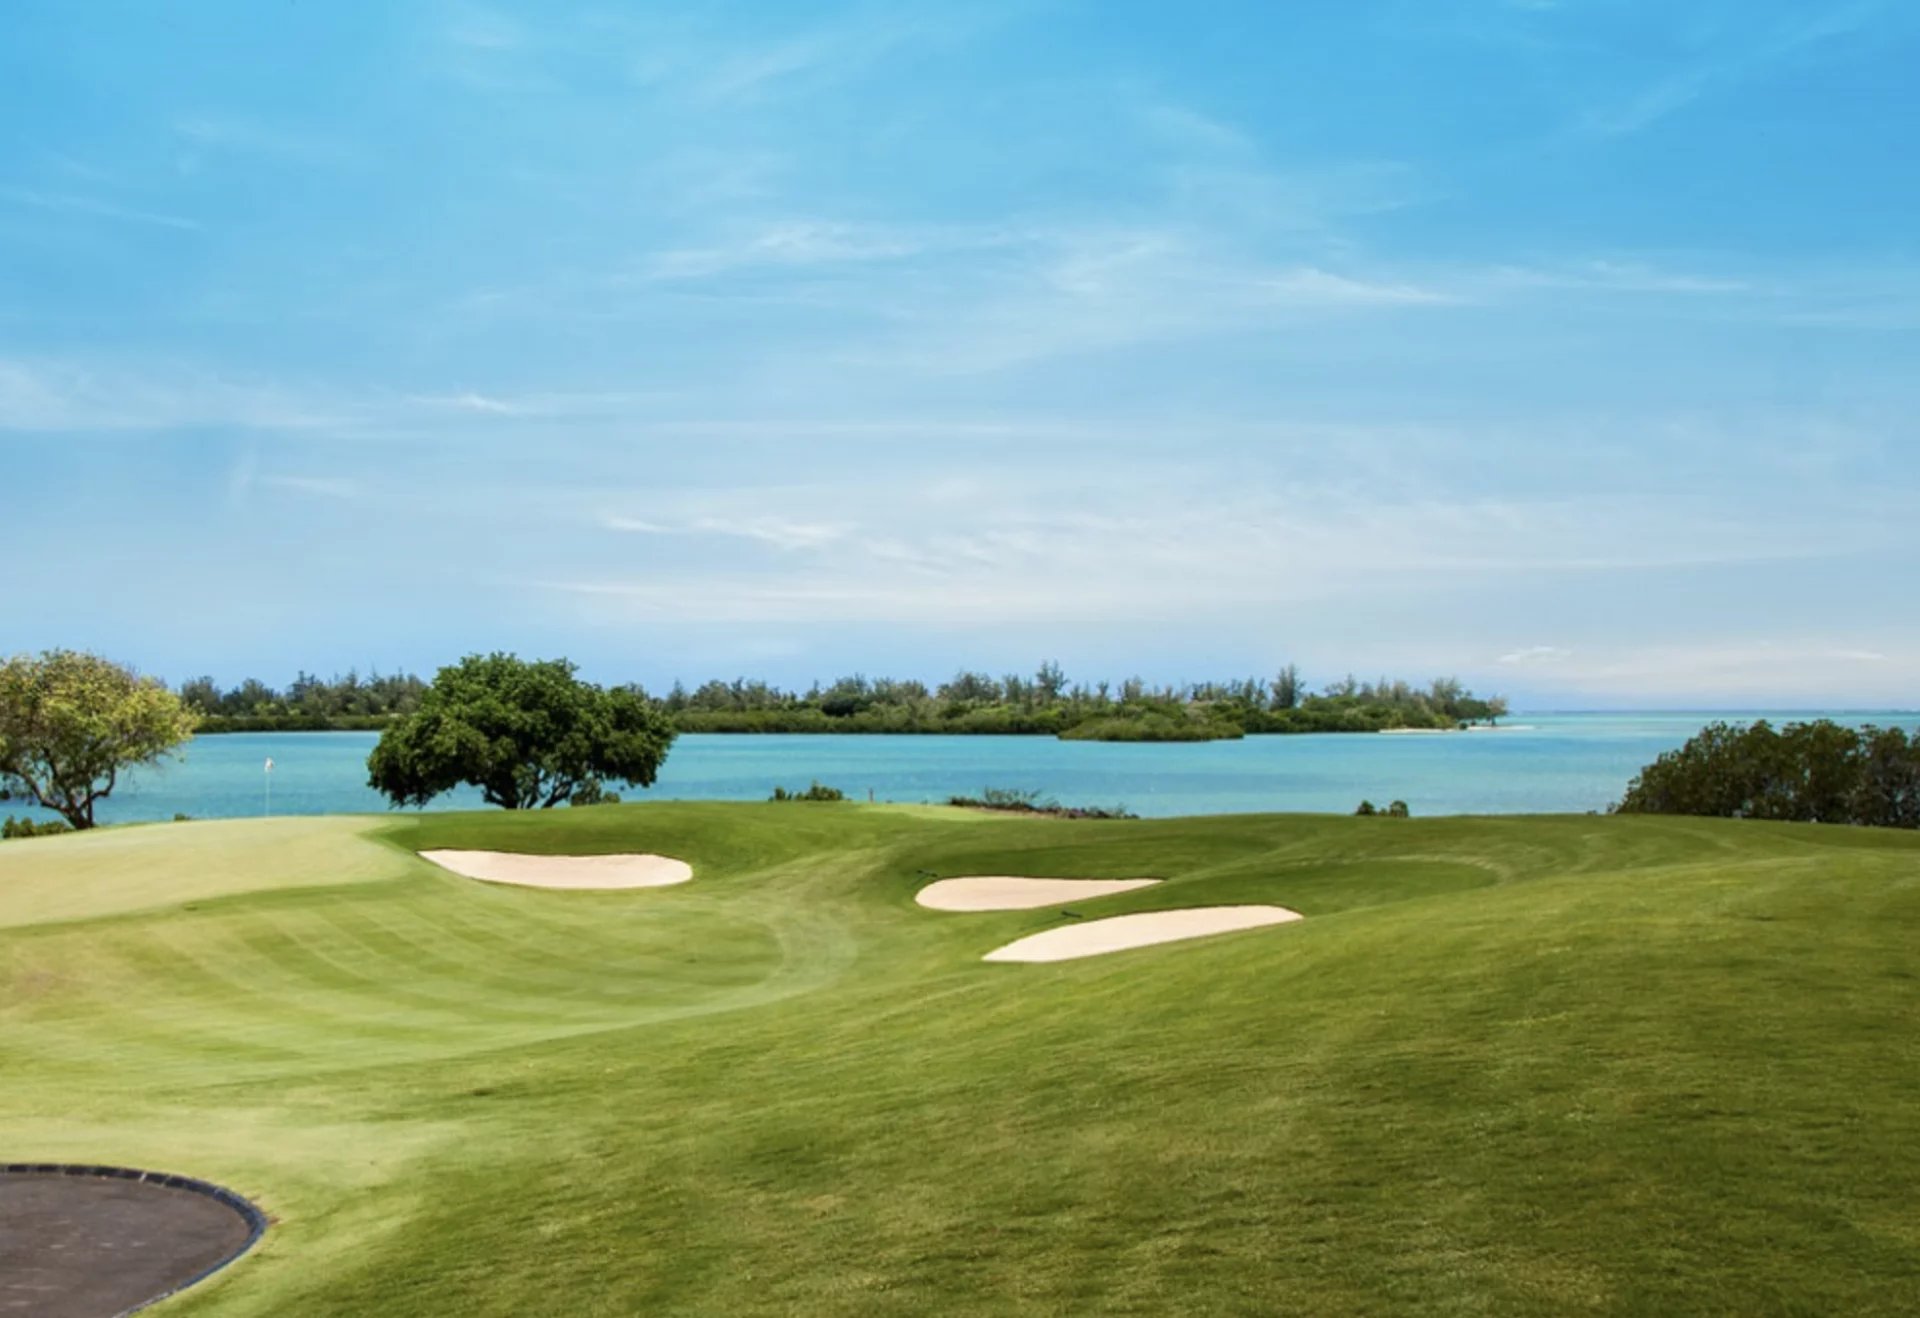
{"type": "Point", "coordinates": [1030, 803]}
{"type": "Point", "coordinates": [1154, 727]}
{"type": "Point", "coordinates": [13, 828]}
{"type": "Point", "coordinates": [817, 792]}
{"type": "Point", "coordinates": [593, 792]}
{"type": "Point", "coordinates": [1818, 772]}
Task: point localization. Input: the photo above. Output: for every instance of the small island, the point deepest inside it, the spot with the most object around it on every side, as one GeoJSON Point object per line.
{"type": "Point", "coordinates": [969, 703]}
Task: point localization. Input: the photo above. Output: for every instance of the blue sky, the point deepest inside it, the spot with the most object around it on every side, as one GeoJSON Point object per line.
{"type": "Point", "coordinates": [1568, 347]}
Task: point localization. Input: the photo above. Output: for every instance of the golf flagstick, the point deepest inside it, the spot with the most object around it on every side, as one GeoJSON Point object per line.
{"type": "Point", "coordinates": [269, 779]}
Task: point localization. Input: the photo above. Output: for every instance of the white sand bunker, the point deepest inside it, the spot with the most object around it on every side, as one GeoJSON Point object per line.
{"type": "Point", "coordinates": [603, 872]}
{"type": "Point", "coordinates": [1001, 892]}
{"type": "Point", "coordinates": [1120, 932]}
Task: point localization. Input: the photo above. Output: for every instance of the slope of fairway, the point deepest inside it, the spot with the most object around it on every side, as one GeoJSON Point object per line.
{"type": "Point", "coordinates": [1552, 1066]}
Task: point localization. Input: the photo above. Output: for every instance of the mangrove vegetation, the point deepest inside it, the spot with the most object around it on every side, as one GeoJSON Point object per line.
{"type": "Point", "coordinates": [1046, 703]}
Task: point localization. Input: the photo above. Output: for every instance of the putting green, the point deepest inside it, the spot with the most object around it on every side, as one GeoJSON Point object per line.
{"type": "Point", "coordinates": [1530, 1065]}
{"type": "Point", "coordinates": [115, 871]}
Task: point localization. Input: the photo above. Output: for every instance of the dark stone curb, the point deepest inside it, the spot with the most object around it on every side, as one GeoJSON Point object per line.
{"type": "Point", "coordinates": [255, 1219]}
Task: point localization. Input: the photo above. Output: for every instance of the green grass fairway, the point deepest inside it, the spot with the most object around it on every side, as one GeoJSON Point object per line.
{"type": "Point", "coordinates": [1504, 1066]}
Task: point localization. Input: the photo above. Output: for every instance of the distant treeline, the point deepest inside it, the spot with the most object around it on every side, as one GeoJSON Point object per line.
{"type": "Point", "coordinates": [1045, 704]}
{"type": "Point", "coordinates": [1048, 704]}
{"type": "Point", "coordinates": [311, 704]}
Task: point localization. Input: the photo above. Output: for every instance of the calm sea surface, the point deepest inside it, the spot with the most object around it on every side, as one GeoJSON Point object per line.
{"type": "Point", "coordinates": [1541, 762]}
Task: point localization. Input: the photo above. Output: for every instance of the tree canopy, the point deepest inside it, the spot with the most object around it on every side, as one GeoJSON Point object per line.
{"type": "Point", "coordinates": [72, 723]}
{"type": "Point", "coordinates": [1817, 772]}
{"type": "Point", "coordinates": [527, 733]}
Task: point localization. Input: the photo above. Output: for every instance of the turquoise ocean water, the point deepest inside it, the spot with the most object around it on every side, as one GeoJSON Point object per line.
{"type": "Point", "coordinates": [1534, 763]}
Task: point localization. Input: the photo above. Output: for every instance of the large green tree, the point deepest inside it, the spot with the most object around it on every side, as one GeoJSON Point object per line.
{"type": "Point", "coordinates": [527, 734]}
{"type": "Point", "coordinates": [72, 723]}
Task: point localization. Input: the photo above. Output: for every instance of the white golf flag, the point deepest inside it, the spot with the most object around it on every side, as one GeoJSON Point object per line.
{"type": "Point", "coordinates": [269, 764]}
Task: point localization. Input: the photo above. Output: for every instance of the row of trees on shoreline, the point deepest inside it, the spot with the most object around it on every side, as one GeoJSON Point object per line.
{"type": "Point", "coordinates": [1044, 704]}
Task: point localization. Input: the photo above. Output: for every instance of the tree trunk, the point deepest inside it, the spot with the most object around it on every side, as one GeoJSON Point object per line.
{"type": "Point", "coordinates": [78, 814]}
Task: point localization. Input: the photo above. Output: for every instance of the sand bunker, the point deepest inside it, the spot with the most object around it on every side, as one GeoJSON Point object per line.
{"type": "Point", "coordinates": [1005, 893]}
{"type": "Point", "coordinates": [601, 872]}
{"type": "Point", "coordinates": [1120, 932]}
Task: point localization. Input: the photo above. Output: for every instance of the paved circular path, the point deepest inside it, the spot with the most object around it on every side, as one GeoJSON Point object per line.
{"type": "Point", "coordinates": [97, 1246]}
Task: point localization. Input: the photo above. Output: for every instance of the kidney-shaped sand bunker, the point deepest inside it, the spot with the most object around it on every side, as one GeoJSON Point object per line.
{"type": "Point", "coordinates": [1117, 933]}
{"type": "Point", "coordinates": [1004, 892]}
{"type": "Point", "coordinates": [589, 872]}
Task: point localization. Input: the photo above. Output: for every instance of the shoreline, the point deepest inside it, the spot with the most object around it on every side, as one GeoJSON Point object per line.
{"type": "Point", "coordinates": [1442, 732]}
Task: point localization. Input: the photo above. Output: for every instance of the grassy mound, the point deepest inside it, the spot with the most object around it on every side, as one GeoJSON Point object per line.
{"type": "Point", "coordinates": [1525, 1065]}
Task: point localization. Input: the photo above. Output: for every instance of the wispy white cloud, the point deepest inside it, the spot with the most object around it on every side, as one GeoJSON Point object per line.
{"type": "Point", "coordinates": [1066, 292]}
{"type": "Point", "coordinates": [1740, 671]}
{"type": "Point", "coordinates": [476, 28]}
{"type": "Point", "coordinates": [803, 243]}
{"type": "Point", "coordinates": [74, 167]}
{"type": "Point", "coordinates": [1654, 103]}
{"type": "Point", "coordinates": [960, 300]}
{"type": "Point", "coordinates": [961, 549]}
{"type": "Point", "coordinates": [255, 137]}
{"type": "Point", "coordinates": [543, 408]}
{"type": "Point", "coordinates": [825, 53]}
{"type": "Point", "coordinates": [73, 204]}
{"type": "Point", "coordinates": [1614, 276]}
{"type": "Point", "coordinates": [1537, 654]}
{"type": "Point", "coordinates": [242, 474]}
{"type": "Point", "coordinates": [752, 71]}
{"type": "Point", "coordinates": [63, 395]}
{"type": "Point", "coordinates": [1310, 286]}
{"type": "Point", "coordinates": [689, 58]}
{"type": "Point", "coordinates": [489, 51]}
{"type": "Point", "coordinates": [1736, 57]}
{"type": "Point", "coordinates": [484, 404]}
{"type": "Point", "coordinates": [323, 487]}
{"type": "Point", "coordinates": [779, 532]}
{"type": "Point", "coordinates": [245, 478]}
{"type": "Point", "coordinates": [1195, 132]}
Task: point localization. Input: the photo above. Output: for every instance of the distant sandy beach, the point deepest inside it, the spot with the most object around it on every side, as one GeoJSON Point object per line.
{"type": "Point", "coordinates": [1448, 732]}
